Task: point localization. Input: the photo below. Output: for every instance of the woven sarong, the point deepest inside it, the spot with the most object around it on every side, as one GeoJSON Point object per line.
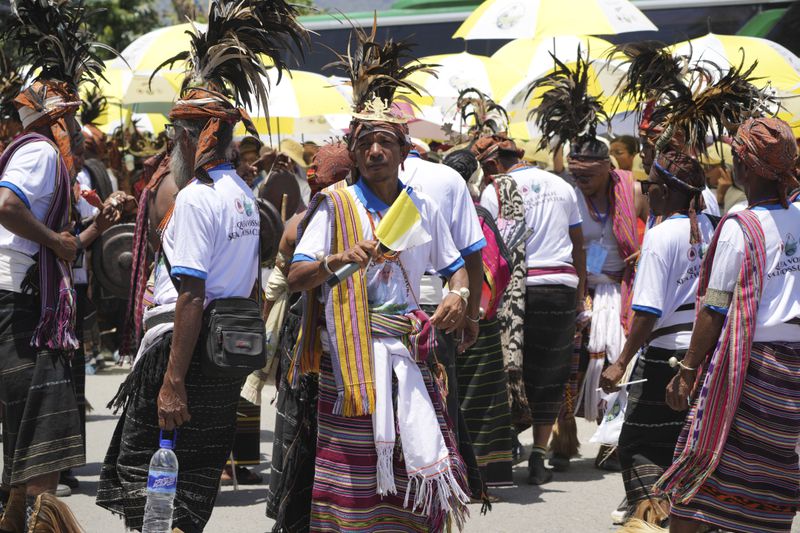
{"type": "Point", "coordinates": [203, 445]}
{"type": "Point", "coordinates": [41, 426]}
{"type": "Point", "coordinates": [483, 387]}
{"type": "Point", "coordinates": [247, 441]}
{"type": "Point", "coordinates": [651, 428]}
{"type": "Point", "coordinates": [755, 487]}
{"type": "Point", "coordinates": [549, 337]}
{"type": "Point", "coordinates": [345, 481]}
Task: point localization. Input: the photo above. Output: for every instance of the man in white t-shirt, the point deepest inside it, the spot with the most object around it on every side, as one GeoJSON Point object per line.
{"type": "Point", "coordinates": [209, 251]}
{"type": "Point", "coordinates": [554, 284]}
{"type": "Point", "coordinates": [664, 309]}
{"type": "Point", "coordinates": [739, 461]}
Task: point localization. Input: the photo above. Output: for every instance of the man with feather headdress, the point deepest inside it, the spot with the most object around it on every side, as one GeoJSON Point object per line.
{"type": "Point", "coordinates": [363, 480]}
{"type": "Point", "coordinates": [42, 432]}
{"type": "Point", "coordinates": [551, 277]}
{"type": "Point", "coordinates": [207, 258]}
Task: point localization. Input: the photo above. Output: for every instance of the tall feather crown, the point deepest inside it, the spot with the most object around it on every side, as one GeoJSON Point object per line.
{"type": "Point", "coordinates": [485, 116]}
{"type": "Point", "coordinates": [53, 37]}
{"type": "Point", "coordinates": [567, 111]}
{"type": "Point", "coordinates": [228, 56]}
{"type": "Point", "coordinates": [377, 70]}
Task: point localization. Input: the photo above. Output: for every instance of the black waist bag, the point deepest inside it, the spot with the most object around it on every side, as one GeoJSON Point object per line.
{"type": "Point", "coordinates": [234, 338]}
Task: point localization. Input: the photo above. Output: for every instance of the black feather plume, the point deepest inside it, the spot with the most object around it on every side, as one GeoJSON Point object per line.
{"type": "Point", "coordinates": [567, 111]}
{"type": "Point", "coordinates": [54, 36]}
{"type": "Point", "coordinates": [378, 69]}
{"type": "Point", "coordinates": [227, 57]}
{"type": "Point", "coordinates": [94, 103]}
{"type": "Point", "coordinates": [10, 85]}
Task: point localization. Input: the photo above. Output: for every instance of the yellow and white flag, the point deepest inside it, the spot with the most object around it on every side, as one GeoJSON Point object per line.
{"type": "Point", "coordinates": [401, 227]}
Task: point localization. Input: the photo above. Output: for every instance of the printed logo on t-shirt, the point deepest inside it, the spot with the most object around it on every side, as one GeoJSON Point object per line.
{"type": "Point", "coordinates": [698, 251]}
{"type": "Point", "coordinates": [243, 205]}
{"type": "Point", "coordinates": [790, 245]}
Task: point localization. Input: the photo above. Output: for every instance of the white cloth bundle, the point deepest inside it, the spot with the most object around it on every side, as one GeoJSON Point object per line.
{"type": "Point", "coordinates": [154, 334]}
{"type": "Point", "coordinates": [606, 336]}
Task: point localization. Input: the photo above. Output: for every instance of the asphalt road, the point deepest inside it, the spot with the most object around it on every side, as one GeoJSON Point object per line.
{"type": "Point", "coordinates": [579, 500]}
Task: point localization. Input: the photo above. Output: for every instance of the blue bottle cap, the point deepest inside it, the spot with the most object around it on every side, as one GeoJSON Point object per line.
{"type": "Point", "coordinates": [167, 443]}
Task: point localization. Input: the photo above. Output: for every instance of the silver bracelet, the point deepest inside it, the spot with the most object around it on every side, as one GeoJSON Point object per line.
{"type": "Point", "coordinates": [325, 264]}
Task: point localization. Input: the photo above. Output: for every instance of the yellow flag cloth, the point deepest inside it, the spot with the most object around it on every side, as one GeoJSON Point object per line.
{"type": "Point", "coordinates": [401, 227]}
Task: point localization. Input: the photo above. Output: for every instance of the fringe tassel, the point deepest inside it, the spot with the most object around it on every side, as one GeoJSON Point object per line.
{"type": "Point", "coordinates": [385, 476]}
{"type": "Point", "coordinates": [149, 371]}
{"type": "Point", "coordinates": [652, 511]}
{"type": "Point", "coordinates": [56, 329]}
{"type": "Point", "coordinates": [51, 515]}
{"type": "Point", "coordinates": [565, 441]}
{"type": "Point", "coordinates": [438, 493]}
{"type": "Point", "coordinates": [634, 525]}
{"type": "Point", "coordinates": [591, 398]}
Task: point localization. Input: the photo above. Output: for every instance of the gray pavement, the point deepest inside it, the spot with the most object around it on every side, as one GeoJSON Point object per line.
{"type": "Point", "coordinates": [576, 501]}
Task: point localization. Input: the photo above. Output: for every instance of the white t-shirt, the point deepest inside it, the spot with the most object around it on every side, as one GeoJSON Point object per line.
{"type": "Point", "coordinates": [31, 175]}
{"type": "Point", "coordinates": [667, 277]}
{"type": "Point", "coordinates": [212, 235]}
{"type": "Point", "coordinates": [780, 299]}
{"type": "Point", "coordinates": [387, 290]}
{"type": "Point", "coordinates": [448, 189]}
{"type": "Point", "coordinates": [712, 206]}
{"type": "Point", "coordinates": [551, 209]}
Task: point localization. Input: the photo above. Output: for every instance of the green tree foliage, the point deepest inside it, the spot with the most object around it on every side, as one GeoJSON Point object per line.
{"type": "Point", "coordinates": [121, 21]}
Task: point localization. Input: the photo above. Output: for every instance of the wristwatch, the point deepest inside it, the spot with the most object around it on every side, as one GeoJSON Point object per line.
{"type": "Point", "coordinates": [462, 293]}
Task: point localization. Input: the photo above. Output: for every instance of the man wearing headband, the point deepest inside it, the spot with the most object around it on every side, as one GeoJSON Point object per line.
{"type": "Point", "coordinates": [360, 480]}
{"type": "Point", "coordinates": [554, 283]}
{"type": "Point", "coordinates": [208, 255]}
{"type": "Point", "coordinates": [737, 468]}
{"type": "Point", "coordinates": [663, 313]}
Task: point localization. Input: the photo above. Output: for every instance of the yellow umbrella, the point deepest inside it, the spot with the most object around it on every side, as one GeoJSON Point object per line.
{"type": "Point", "coordinates": [457, 72]}
{"type": "Point", "coordinates": [514, 19]}
{"type": "Point", "coordinates": [150, 50]}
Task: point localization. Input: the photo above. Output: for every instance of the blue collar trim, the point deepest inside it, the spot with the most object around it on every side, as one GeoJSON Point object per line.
{"type": "Point", "coordinates": [371, 202]}
{"type": "Point", "coordinates": [222, 166]}
{"type": "Point", "coordinates": [768, 207]}
{"type": "Point", "coordinates": [413, 154]}
{"type": "Point", "coordinates": [678, 215]}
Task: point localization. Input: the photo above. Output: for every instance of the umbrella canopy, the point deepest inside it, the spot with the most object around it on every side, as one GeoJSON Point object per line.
{"type": "Point", "coordinates": [515, 19]}
{"type": "Point", "coordinates": [150, 50]}
{"type": "Point", "coordinates": [300, 94]}
{"type": "Point", "coordinates": [457, 72]}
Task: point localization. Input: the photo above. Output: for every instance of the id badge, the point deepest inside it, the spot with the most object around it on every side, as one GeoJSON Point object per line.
{"type": "Point", "coordinates": [595, 258]}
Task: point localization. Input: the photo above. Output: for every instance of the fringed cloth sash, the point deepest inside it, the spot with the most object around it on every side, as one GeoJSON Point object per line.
{"type": "Point", "coordinates": [414, 329]}
{"type": "Point", "coordinates": [724, 381]}
{"type": "Point", "coordinates": [623, 206]}
{"type": "Point", "coordinates": [56, 328]}
{"type": "Point", "coordinates": [346, 316]}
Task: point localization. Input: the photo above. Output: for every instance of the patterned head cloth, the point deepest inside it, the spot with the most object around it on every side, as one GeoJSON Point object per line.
{"type": "Point", "coordinates": [46, 103]}
{"type": "Point", "coordinates": [767, 147]}
{"type": "Point", "coordinates": [213, 108]}
{"type": "Point", "coordinates": [489, 147]}
{"type": "Point", "coordinates": [331, 164]}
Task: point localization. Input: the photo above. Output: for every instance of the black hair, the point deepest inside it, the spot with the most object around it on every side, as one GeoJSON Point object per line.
{"type": "Point", "coordinates": [631, 145]}
{"type": "Point", "coordinates": [463, 162]}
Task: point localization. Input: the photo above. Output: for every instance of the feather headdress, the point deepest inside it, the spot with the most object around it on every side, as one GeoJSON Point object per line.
{"type": "Point", "coordinates": [228, 57]}
{"type": "Point", "coordinates": [94, 104]}
{"type": "Point", "coordinates": [720, 99]}
{"type": "Point", "coordinates": [484, 115]}
{"type": "Point", "coordinates": [53, 37]}
{"type": "Point", "coordinates": [567, 111]}
{"type": "Point", "coordinates": [376, 71]}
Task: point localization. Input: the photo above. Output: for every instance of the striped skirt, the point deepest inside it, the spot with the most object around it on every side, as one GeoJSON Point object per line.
{"type": "Point", "coordinates": [247, 441]}
{"type": "Point", "coordinates": [549, 339]}
{"type": "Point", "coordinates": [203, 444]}
{"type": "Point", "coordinates": [482, 385]}
{"type": "Point", "coordinates": [756, 486]}
{"type": "Point", "coordinates": [344, 496]}
{"type": "Point", "coordinates": [41, 425]}
{"type": "Point", "coordinates": [651, 428]}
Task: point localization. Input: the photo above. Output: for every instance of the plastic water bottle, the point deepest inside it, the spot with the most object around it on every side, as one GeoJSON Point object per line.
{"type": "Point", "coordinates": [162, 482]}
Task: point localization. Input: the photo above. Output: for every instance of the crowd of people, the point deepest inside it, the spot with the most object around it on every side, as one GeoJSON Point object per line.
{"type": "Point", "coordinates": [649, 285]}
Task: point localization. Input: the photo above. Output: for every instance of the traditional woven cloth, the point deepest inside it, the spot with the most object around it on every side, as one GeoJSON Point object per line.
{"type": "Point", "coordinates": [41, 426]}
{"type": "Point", "coordinates": [247, 441]}
{"type": "Point", "coordinates": [549, 338]}
{"type": "Point", "coordinates": [755, 485]}
{"type": "Point", "coordinates": [346, 316]}
{"type": "Point", "coordinates": [624, 227]}
{"type": "Point", "coordinates": [344, 495]}
{"type": "Point", "coordinates": [511, 311]}
{"type": "Point", "coordinates": [203, 444]}
{"type": "Point", "coordinates": [483, 389]}
{"type": "Point", "coordinates": [651, 428]}
{"type": "Point", "coordinates": [712, 414]}
{"type": "Point", "coordinates": [56, 328]}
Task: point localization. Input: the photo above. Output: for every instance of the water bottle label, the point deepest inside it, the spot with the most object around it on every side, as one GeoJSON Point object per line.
{"type": "Point", "coordinates": [160, 481]}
